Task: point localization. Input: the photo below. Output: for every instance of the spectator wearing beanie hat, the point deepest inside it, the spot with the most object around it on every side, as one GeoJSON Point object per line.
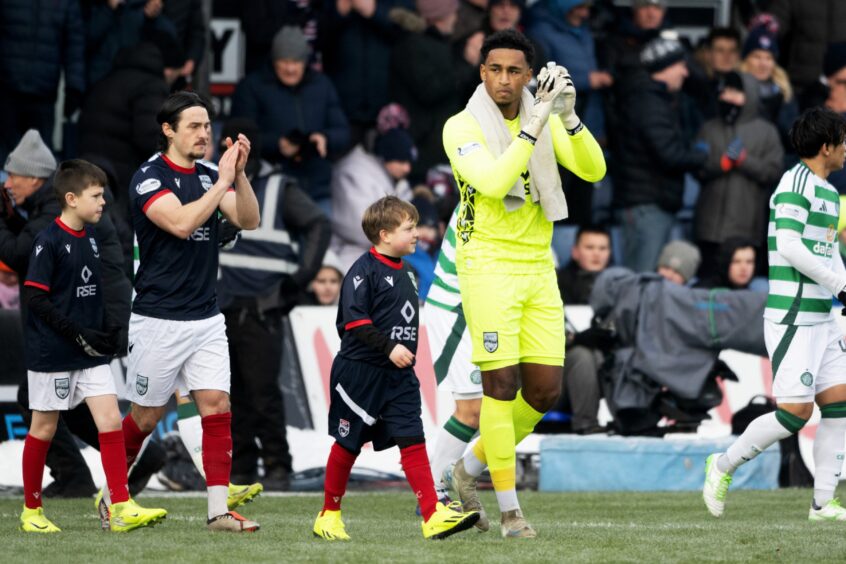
{"type": "Point", "coordinates": [775, 94]}
{"type": "Point", "coordinates": [430, 78]}
{"type": "Point", "coordinates": [299, 113]}
{"type": "Point", "coordinates": [679, 262]}
{"type": "Point", "coordinates": [653, 154]}
{"type": "Point", "coordinates": [361, 178]}
{"type": "Point", "coordinates": [28, 166]}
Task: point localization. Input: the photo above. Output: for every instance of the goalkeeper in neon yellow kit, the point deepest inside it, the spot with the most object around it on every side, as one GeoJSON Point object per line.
{"type": "Point", "coordinates": [503, 149]}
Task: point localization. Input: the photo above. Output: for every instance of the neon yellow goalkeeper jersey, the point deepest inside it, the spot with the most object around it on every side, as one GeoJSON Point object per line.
{"type": "Point", "coordinates": [490, 239]}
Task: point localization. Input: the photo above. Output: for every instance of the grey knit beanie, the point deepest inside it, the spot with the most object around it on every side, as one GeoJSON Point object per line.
{"type": "Point", "coordinates": [681, 256]}
{"type": "Point", "coordinates": [290, 43]}
{"type": "Point", "coordinates": [32, 157]}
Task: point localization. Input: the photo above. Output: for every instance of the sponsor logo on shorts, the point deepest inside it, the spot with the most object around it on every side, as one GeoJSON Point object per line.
{"type": "Point", "coordinates": [806, 378]}
{"type": "Point", "coordinates": [491, 341]}
{"type": "Point", "coordinates": [141, 385]}
{"type": "Point", "coordinates": [344, 428]}
{"type": "Point", "coordinates": [62, 387]}
{"type": "Point", "coordinates": [476, 376]}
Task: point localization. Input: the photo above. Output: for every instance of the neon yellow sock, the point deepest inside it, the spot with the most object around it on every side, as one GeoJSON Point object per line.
{"type": "Point", "coordinates": [496, 422]}
{"type": "Point", "coordinates": [525, 419]}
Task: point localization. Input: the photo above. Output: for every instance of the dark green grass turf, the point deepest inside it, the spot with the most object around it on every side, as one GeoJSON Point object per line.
{"type": "Point", "coordinates": [607, 527]}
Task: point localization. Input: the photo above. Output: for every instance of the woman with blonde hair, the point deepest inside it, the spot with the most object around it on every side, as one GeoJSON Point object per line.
{"type": "Point", "coordinates": [777, 102]}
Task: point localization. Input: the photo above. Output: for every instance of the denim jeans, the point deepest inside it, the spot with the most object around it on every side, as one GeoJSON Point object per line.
{"type": "Point", "coordinates": [646, 229]}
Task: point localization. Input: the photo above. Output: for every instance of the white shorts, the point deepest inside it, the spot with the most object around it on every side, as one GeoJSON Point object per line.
{"type": "Point", "coordinates": [166, 355]}
{"type": "Point", "coordinates": [61, 391]}
{"type": "Point", "coordinates": [451, 349]}
{"type": "Point", "coordinates": [806, 359]}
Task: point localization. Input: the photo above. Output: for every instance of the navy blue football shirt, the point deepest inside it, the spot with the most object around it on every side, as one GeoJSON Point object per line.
{"type": "Point", "coordinates": [176, 277]}
{"type": "Point", "coordinates": [383, 293]}
{"type": "Point", "coordinates": [66, 264]}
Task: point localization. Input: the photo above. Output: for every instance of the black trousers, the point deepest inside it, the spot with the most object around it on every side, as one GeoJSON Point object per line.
{"type": "Point", "coordinates": [258, 410]}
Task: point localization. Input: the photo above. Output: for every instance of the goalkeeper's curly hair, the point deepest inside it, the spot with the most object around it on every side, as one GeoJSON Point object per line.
{"type": "Point", "coordinates": [509, 39]}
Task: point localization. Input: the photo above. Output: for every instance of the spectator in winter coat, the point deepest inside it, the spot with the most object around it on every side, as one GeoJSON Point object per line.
{"type": "Point", "coordinates": [299, 114]}
{"type": "Point", "coordinates": [561, 28]}
{"type": "Point", "coordinates": [653, 156]}
{"type": "Point", "coordinates": [361, 178]}
{"type": "Point", "coordinates": [358, 38]}
{"type": "Point", "coordinates": [39, 41]}
{"type": "Point", "coordinates": [191, 30]}
{"type": "Point", "coordinates": [118, 119]}
{"type": "Point", "coordinates": [744, 164]}
{"type": "Point", "coordinates": [429, 76]}
{"type": "Point", "coordinates": [806, 28]}
{"type": "Point", "coordinates": [776, 101]}
{"type": "Point", "coordinates": [112, 25]}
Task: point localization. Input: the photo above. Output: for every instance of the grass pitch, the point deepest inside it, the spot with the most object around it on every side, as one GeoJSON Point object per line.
{"type": "Point", "coordinates": [583, 527]}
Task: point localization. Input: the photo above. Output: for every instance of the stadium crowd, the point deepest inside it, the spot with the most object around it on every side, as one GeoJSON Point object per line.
{"type": "Point", "coordinates": [345, 101]}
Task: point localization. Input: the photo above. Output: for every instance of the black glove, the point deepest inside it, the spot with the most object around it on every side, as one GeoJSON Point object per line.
{"type": "Point", "coordinates": [595, 338]}
{"type": "Point", "coordinates": [98, 343]}
{"type": "Point", "coordinates": [228, 235]}
{"type": "Point", "coordinates": [841, 297]}
{"type": "Point", "coordinates": [73, 100]}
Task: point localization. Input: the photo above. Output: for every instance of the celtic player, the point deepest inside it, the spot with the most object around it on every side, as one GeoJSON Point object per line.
{"type": "Point", "coordinates": [505, 150]}
{"type": "Point", "coordinates": [449, 342]}
{"type": "Point", "coordinates": [805, 344]}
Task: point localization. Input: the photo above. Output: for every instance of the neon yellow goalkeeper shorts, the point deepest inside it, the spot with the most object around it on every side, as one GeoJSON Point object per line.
{"type": "Point", "coordinates": [513, 318]}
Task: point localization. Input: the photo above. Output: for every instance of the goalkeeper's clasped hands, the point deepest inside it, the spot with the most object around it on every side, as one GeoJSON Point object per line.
{"type": "Point", "coordinates": [555, 95]}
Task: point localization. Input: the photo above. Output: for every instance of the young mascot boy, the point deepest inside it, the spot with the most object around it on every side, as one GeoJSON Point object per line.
{"type": "Point", "coordinates": [375, 395]}
{"type": "Point", "coordinates": [68, 352]}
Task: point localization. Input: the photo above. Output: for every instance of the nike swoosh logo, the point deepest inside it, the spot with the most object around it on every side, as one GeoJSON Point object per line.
{"type": "Point", "coordinates": [37, 527]}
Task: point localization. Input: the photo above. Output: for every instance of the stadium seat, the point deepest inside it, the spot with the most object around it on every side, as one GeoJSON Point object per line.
{"type": "Point", "coordinates": [563, 238]}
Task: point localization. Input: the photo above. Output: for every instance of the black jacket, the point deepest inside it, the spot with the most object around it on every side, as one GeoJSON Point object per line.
{"type": "Point", "coordinates": [118, 119]}
{"type": "Point", "coordinates": [39, 39]}
{"type": "Point", "coordinates": [575, 283]}
{"type": "Point", "coordinates": [654, 155]}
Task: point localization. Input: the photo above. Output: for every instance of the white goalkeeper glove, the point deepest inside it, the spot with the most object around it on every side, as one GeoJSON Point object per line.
{"type": "Point", "coordinates": [550, 85]}
{"type": "Point", "coordinates": [564, 105]}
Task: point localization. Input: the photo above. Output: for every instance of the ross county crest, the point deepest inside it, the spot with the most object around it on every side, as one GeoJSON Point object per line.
{"type": "Point", "coordinates": [141, 385]}
{"type": "Point", "coordinates": [491, 341]}
{"type": "Point", "coordinates": [344, 428]}
{"type": "Point", "coordinates": [62, 387]}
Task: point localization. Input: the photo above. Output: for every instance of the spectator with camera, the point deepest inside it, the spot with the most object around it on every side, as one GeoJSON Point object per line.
{"type": "Point", "coordinates": [299, 113]}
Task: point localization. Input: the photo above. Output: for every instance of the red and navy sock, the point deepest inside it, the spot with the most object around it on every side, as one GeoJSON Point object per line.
{"type": "Point", "coordinates": [415, 463]}
{"type": "Point", "coordinates": [34, 459]}
{"type": "Point", "coordinates": [113, 457]}
{"type": "Point", "coordinates": [338, 469]}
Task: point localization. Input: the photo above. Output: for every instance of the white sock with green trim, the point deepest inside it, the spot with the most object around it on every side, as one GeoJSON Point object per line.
{"type": "Point", "coordinates": [450, 444]}
{"type": "Point", "coordinates": [828, 458]}
{"type": "Point", "coordinates": [758, 436]}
